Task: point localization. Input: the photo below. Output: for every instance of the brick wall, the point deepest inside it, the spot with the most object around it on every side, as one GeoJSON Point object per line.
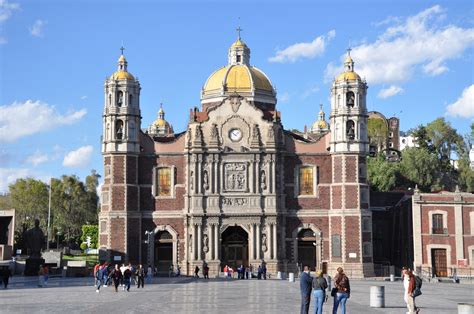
{"type": "Point", "coordinates": [352, 239]}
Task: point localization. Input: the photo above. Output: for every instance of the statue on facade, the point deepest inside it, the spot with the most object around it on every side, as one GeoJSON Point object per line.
{"type": "Point", "coordinates": [263, 180]}
{"type": "Point", "coordinates": [205, 245]}
{"type": "Point", "coordinates": [191, 179]}
{"type": "Point", "coordinates": [206, 180]}
{"type": "Point", "coordinates": [264, 242]}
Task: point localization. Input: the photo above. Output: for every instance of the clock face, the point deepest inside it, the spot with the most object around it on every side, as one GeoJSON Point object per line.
{"type": "Point", "coordinates": [235, 135]}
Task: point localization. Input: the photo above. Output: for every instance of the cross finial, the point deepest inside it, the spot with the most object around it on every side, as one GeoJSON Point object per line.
{"type": "Point", "coordinates": [122, 49]}
{"type": "Point", "coordinates": [349, 51]}
{"type": "Point", "coordinates": [238, 32]}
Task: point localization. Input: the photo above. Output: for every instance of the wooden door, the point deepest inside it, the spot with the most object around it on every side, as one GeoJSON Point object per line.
{"type": "Point", "coordinates": [439, 261]}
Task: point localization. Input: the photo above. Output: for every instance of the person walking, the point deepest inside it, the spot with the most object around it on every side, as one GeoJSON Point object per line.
{"type": "Point", "coordinates": [170, 270]}
{"type": "Point", "coordinates": [205, 271]}
{"type": "Point", "coordinates": [196, 272]}
{"type": "Point", "coordinates": [117, 277]}
{"type": "Point", "coordinates": [99, 277]}
{"type": "Point", "coordinates": [264, 271]}
{"type": "Point", "coordinates": [127, 278]}
{"type": "Point", "coordinates": [259, 272]}
{"type": "Point", "coordinates": [122, 269]}
{"type": "Point", "coordinates": [133, 270]}
{"type": "Point", "coordinates": [247, 271]}
{"type": "Point", "coordinates": [226, 271]}
{"type": "Point", "coordinates": [320, 286]}
{"type": "Point", "coordinates": [41, 276]}
{"type": "Point", "coordinates": [409, 288]}
{"type": "Point", "coordinates": [305, 286]}
{"type": "Point", "coordinates": [178, 271]}
{"type": "Point", "coordinates": [6, 274]}
{"type": "Point", "coordinates": [341, 283]}
{"type": "Point", "coordinates": [140, 273]}
{"type": "Point", "coordinates": [96, 268]}
{"type": "Point", "coordinates": [46, 274]}
{"type": "Point", "coordinates": [149, 274]}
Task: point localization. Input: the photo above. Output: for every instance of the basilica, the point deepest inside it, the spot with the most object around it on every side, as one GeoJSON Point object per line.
{"type": "Point", "coordinates": [235, 187]}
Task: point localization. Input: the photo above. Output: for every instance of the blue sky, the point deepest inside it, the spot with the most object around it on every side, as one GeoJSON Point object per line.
{"type": "Point", "coordinates": [417, 57]}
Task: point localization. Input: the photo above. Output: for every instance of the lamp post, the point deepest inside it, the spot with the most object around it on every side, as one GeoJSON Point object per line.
{"type": "Point", "coordinates": [48, 231]}
{"type": "Point", "coordinates": [148, 241]}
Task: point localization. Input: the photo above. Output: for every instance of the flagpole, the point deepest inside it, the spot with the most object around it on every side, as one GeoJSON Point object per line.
{"type": "Point", "coordinates": [49, 212]}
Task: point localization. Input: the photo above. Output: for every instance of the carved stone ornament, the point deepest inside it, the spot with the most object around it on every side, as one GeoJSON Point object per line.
{"type": "Point", "coordinates": [198, 136]}
{"type": "Point", "coordinates": [255, 133]}
{"type": "Point", "coordinates": [214, 132]}
{"type": "Point", "coordinates": [235, 103]}
{"type": "Point", "coordinates": [191, 179]}
{"type": "Point", "coordinates": [205, 180]}
{"type": "Point", "coordinates": [263, 180]}
{"type": "Point", "coordinates": [235, 176]}
{"type": "Point", "coordinates": [189, 137]}
{"type": "Point", "coordinates": [271, 132]}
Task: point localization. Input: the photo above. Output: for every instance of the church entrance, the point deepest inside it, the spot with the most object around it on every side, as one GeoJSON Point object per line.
{"type": "Point", "coordinates": [234, 247]}
{"type": "Point", "coordinates": [163, 252]}
{"type": "Point", "coordinates": [307, 249]}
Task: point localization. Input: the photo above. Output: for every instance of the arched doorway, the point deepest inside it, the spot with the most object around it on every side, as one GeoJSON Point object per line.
{"type": "Point", "coordinates": [163, 251]}
{"type": "Point", "coordinates": [307, 248]}
{"type": "Point", "coordinates": [234, 247]}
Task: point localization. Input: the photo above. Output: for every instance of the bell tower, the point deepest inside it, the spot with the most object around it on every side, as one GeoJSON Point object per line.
{"type": "Point", "coordinates": [118, 218]}
{"type": "Point", "coordinates": [350, 218]}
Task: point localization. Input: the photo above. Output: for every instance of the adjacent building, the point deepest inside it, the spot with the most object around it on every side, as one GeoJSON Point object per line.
{"type": "Point", "coordinates": [443, 233]}
{"type": "Point", "coordinates": [235, 187]}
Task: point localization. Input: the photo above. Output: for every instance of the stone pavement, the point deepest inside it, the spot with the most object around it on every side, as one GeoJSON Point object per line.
{"type": "Point", "coordinates": [187, 295]}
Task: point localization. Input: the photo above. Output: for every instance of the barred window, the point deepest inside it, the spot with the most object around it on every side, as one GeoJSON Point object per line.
{"type": "Point", "coordinates": [164, 181]}
{"type": "Point", "coordinates": [306, 180]}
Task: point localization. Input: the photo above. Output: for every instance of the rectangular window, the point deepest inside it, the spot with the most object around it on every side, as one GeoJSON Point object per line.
{"type": "Point", "coordinates": [164, 182]}
{"type": "Point", "coordinates": [366, 224]}
{"type": "Point", "coordinates": [306, 180]}
{"type": "Point", "coordinates": [438, 224]}
{"type": "Point", "coordinates": [367, 249]}
{"type": "Point", "coordinates": [336, 245]}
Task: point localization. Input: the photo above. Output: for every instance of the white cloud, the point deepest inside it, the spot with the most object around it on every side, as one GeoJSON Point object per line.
{"type": "Point", "coordinates": [389, 92]}
{"type": "Point", "coordinates": [79, 157]}
{"type": "Point", "coordinates": [310, 91]}
{"type": "Point", "coordinates": [285, 97]}
{"type": "Point", "coordinates": [37, 158]}
{"type": "Point", "coordinates": [420, 43]}
{"type": "Point", "coordinates": [307, 50]}
{"type": "Point", "coordinates": [464, 106]}
{"type": "Point", "coordinates": [22, 119]}
{"type": "Point", "coordinates": [10, 175]}
{"type": "Point", "coordinates": [83, 97]}
{"type": "Point", "coordinates": [37, 29]}
{"type": "Point", "coordinates": [6, 11]}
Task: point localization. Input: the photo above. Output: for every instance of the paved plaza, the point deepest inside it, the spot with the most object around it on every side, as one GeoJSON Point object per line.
{"type": "Point", "coordinates": [187, 295]}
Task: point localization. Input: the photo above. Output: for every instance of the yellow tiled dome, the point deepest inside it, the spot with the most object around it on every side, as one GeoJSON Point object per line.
{"type": "Point", "coordinates": [349, 76]}
{"type": "Point", "coordinates": [122, 75]}
{"type": "Point", "coordinates": [237, 78]}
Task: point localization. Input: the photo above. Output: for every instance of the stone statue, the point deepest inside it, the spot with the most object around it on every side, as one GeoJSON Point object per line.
{"type": "Point", "coordinates": [35, 240]}
{"type": "Point", "coordinates": [205, 241]}
{"type": "Point", "coordinates": [264, 242]}
{"type": "Point", "coordinates": [263, 180]}
{"type": "Point", "coordinates": [191, 179]}
{"type": "Point", "coordinates": [206, 180]}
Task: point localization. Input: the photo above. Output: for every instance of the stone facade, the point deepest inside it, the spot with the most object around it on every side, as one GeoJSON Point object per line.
{"type": "Point", "coordinates": [443, 233]}
{"type": "Point", "coordinates": [236, 187]}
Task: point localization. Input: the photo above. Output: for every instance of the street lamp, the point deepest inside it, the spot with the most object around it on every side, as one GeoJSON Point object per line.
{"type": "Point", "coordinates": [148, 241]}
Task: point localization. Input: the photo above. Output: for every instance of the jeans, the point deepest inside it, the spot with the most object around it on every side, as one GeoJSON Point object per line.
{"type": "Point", "coordinates": [340, 298]}
{"type": "Point", "coordinates": [305, 301]}
{"type": "Point", "coordinates": [99, 283]}
{"type": "Point", "coordinates": [318, 296]}
{"type": "Point", "coordinates": [141, 281]}
{"type": "Point", "coordinates": [126, 283]}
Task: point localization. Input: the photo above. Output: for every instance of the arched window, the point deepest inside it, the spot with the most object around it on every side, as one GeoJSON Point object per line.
{"type": "Point", "coordinates": [350, 99]}
{"type": "Point", "coordinates": [120, 98]}
{"type": "Point", "coordinates": [130, 99]}
{"type": "Point", "coordinates": [119, 129]}
{"type": "Point", "coordinates": [350, 129]}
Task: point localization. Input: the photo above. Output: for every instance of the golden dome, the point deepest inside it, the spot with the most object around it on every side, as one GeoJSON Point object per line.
{"type": "Point", "coordinates": [122, 75]}
{"type": "Point", "coordinates": [237, 79]}
{"type": "Point", "coordinates": [238, 43]}
{"type": "Point", "coordinates": [320, 125]}
{"type": "Point", "coordinates": [122, 59]}
{"type": "Point", "coordinates": [349, 76]}
{"type": "Point", "coordinates": [160, 123]}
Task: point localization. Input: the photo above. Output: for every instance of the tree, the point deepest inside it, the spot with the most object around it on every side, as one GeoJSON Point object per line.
{"type": "Point", "coordinates": [382, 174]}
{"type": "Point", "coordinates": [91, 231]}
{"type": "Point", "coordinates": [378, 132]}
{"type": "Point", "coordinates": [420, 167]}
{"type": "Point", "coordinates": [444, 138]}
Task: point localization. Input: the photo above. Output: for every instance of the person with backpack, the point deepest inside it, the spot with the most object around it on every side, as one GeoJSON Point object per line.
{"type": "Point", "coordinates": [99, 277]}
{"type": "Point", "coordinates": [127, 279]}
{"type": "Point", "coordinates": [320, 286]}
{"type": "Point", "coordinates": [342, 291]}
{"type": "Point", "coordinates": [409, 284]}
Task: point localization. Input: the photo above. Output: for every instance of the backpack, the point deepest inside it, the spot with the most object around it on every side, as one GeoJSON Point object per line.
{"type": "Point", "coordinates": [418, 282]}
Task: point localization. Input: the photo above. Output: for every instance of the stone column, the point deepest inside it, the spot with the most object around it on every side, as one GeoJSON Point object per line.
{"type": "Point", "coordinates": [199, 246]}
{"type": "Point", "coordinates": [273, 172]}
{"type": "Point", "coordinates": [211, 241]}
{"type": "Point", "coordinates": [216, 243]}
{"type": "Point", "coordinates": [251, 242]}
{"type": "Point", "coordinates": [193, 241]}
{"type": "Point", "coordinates": [199, 175]}
{"type": "Point", "coordinates": [274, 237]}
{"type": "Point", "coordinates": [258, 237]}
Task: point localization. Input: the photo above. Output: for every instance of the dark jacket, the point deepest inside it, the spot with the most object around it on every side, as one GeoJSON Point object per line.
{"type": "Point", "coordinates": [305, 283]}
{"type": "Point", "coordinates": [140, 272]}
{"type": "Point", "coordinates": [320, 283]}
{"type": "Point", "coordinates": [341, 282]}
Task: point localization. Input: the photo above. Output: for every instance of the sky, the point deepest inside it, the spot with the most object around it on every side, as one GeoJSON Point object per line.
{"type": "Point", "coordinates": [417, 58]}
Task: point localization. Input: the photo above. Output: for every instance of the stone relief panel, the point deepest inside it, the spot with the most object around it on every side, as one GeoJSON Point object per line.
{"type": "Point", "coordinates": [235, 177]}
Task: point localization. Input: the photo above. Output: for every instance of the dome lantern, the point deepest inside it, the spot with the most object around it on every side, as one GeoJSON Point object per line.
{"type": "Point", "coordinates": [239, 53]}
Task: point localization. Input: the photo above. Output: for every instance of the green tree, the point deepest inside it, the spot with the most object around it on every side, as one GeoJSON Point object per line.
{"type": "Point", "coordinates": [378, 132]}
{"type": "Point", "coordinates": [90, 231]}
{"type": "Point", "coordinates": [445, 139]}
{"type": "Point", "coordinates": [420, 167]}
{"type": "Point", "coordinates": [382, 173]}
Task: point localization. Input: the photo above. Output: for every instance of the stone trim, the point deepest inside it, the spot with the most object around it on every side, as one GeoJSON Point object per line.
{"type": "Point", "coordinates": [318, 236]}
{"type": "Point", "coordinates": [430, 219]}
{"type": "Point", "coordinates": [447, 247]}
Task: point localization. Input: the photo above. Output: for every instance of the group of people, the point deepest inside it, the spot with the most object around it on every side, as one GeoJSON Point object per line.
{"type": "Point", "coordinates": [105, 274]}
{"type": "Point", "coordinates": [319, 287]}
{"type": "Point", "coordinates": [205, 271]}
{"type": "Point", "coordinates": [245, 272]}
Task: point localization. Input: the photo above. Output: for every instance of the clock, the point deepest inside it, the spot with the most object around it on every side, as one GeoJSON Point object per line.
{"type": "Point", "coordinates": [235, 135]}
